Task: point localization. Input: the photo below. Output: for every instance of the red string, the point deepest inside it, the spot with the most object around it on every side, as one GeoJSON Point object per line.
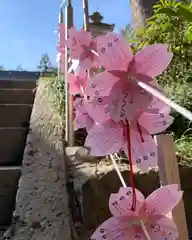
{"type": "Point", "coordinates": [131, 165]}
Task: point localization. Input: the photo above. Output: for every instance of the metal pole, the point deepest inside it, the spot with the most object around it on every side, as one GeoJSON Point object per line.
{"type": "Point", "coordinates": [69, 132]}
{"type": "Point", "coordinates": [86, 15]}
{"type": "Point", "coordinates": [86, 20]}
{"type": "Point", "coordinates": [60, 21]}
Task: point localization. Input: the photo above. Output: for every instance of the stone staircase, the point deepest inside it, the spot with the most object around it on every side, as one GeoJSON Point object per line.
{"type": "Point", "coordinates": [17, 92]}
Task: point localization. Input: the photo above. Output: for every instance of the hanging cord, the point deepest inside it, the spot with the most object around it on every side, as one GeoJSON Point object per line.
{"type": "Point", "coordinates": [128, 133]}
{"type": "Point", "coordinates": [124, 185]}
{"type": "Point", "coordinates": [145, 230]}
{"type": "Point", "coordinates": [118, 171]}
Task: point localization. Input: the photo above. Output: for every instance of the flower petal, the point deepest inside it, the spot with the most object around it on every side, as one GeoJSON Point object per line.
{"type": "Point", "coordinates": [125, 99]}
{"type": "Point", "coordinates": [113, 229]}
{"type": "Point", "coordinates": [75, 49]}
{"type": "Point", "coordinates": [152, 60]}
{"type": "Point", "coordinates": [98, 109]}
{"type": "Point", "coordinates": [74, 87]}
{"type": "Point", "coordinates": [100, 85]}
{"type": "Point", "coordinates": [157, 106]}
{"type": "Point", "coordinates": [114, 52]}
{"type": "Point", "coordinates": [86, 62]}
{"type": "Point", "coordinates": [84, 37]}
{"type": "Point", "coordinates": [83, 121]}
{"type": "Point", "coordinates": [144, 149]}
{"type": "Point", "coordinates": [163, 200]}
{"type": "Point", "coordinates": [120, 204]}
{"type": "Point", "coordinates": [155, 123]}
{"type": "Point", "coordinates": [105, 139]}
{"type": "Point", "coordinates": [80, 106]}
{"type": "Point", "coordinates": [163, 229]}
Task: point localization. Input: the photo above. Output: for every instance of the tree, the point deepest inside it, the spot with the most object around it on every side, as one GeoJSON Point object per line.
{"type": "Point", "coordinates": [141, 9]}
{"type": "Point", "coordinates": [45, 63]}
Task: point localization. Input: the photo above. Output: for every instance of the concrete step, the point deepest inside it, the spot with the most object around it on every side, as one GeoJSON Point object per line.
{"type": "Point", "coordinates": [16, 96]}
{"type": "Point", "coordinates": [15, 115]}
{"type": "Point", "coordinates": [12, 145]}
{"type": "Point", "coordinates": [22, 84]}
{"type": "Point", "coordinates": [9, 178]}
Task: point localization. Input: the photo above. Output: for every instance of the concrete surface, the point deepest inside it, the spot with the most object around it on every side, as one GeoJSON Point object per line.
{"type": "Point", "coordinates": [12, 145]}
{"type": "Point", "coordinates": [16, 96]}
{"type": "Point", "coordinates": [9, 177]}
{"type": "Point", "coordinates": [42, 202]}
{"type": "Point", "coordinates": [24, 84]}
{"type": "Point", "coordinates": [15, 115]}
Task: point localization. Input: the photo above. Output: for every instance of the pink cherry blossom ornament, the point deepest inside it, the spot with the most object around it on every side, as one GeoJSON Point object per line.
{"type": "Point", "coordinates": [116, 54]}
{"type": "Point", "coordinates": [110, 137]}
{"type": "Point", "coordinates": [126, 69]}
{"type": "Point", "coordinates": [104, 139]}
{"type": "Point", "coordinates": [82, 119]}
{"type": "Point", "coordinates": [82, 46]}
{"type": "Point", "coordinates": [149, 215]}
{"type": "Point", "coordinates": [134, 136]}
{"type": "Point", "coordinates": [76, 83]}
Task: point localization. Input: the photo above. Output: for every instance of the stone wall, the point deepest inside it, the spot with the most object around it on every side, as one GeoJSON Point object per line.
{"type": "Point", "coordinates": [94, 182]}
{"type": "Point", "coordinates": [42, 201]}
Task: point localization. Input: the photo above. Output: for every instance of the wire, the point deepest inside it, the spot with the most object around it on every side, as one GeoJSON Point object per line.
{"type": "Point", "coordinates": [118, 171]}
{"type": "Point", "coordinates": [157, 94]}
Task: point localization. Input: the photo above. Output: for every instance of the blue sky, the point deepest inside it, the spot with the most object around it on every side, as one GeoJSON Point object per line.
{"type": "Point", "coordinates": [27, 27]}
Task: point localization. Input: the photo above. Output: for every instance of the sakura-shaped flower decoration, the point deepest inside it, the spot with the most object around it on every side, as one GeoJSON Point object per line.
{"type": "Point", "coordinates": [123, 71]}
{"type": "Point", "coordinates": [77, 83]}
{"type": "Point", "coordinates": [83, 48]}
{"type": "Point", "coordinates": [123, 104]}
{"type": "Point", "coordinates": [147, 217]}
{"type": "Point", "coordinates": [82, 119]}
{"type": "Point", "coordinates": [134, 138]}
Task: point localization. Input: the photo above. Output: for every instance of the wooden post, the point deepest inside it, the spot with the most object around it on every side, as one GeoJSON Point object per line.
{"type": "Point", "coordinates": [86, 15]}
{"type": "Point", "coordinates": [169, 174]}
{"type": "Point", "coordinates": [69, 131]}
